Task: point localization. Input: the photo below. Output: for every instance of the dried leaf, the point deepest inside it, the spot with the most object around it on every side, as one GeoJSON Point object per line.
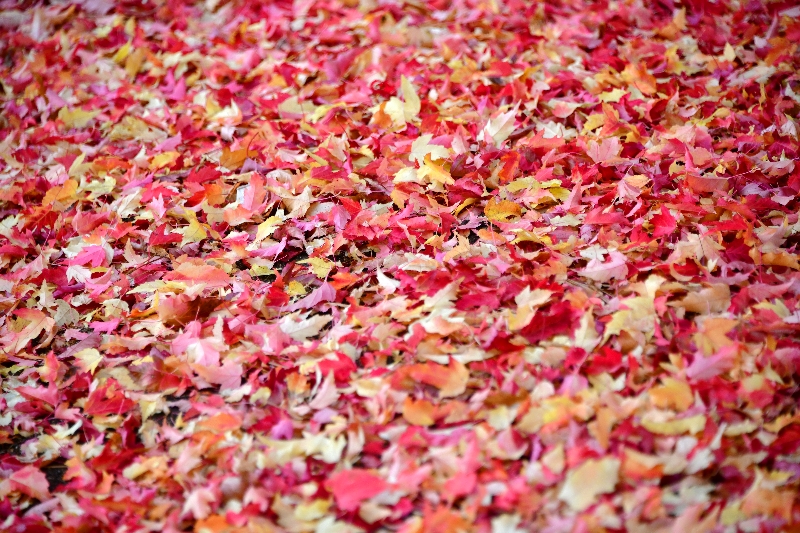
{"type": "Point", "coordinates": [502, 210]}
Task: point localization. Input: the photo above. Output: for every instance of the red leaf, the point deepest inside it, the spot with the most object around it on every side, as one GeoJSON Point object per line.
{"type": "Point", "coordinates": [665, 223]}
{"type": "Point", "coordinates": [108, 400]}
{"type": "Point", "coordinates": [351, 487]}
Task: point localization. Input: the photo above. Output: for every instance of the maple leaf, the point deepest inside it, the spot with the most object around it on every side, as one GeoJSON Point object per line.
{"type": "Point", "coordinates": [501, 210]}
{"type": "Point", "coordinates": [593, 478]}
{"type": "Point", "coordinates": [664, 222]}
{"type": "Point", "coordinates": [605, 152]}
{"type": "Point", "coordinates": [388, 284]}
{"type": "Point", "coordinates": [527, 302]}
{"type": "Point", "coordinates": [421, 148]}
{"type": "Point", "coordinates": [30, 481]}
{"type": "Point", "coordinates": [30, 324]}
{"type": "Point", "coordinates": [327, 394]}
{"type": "Point", "coordinates": [451, 380]}
{"type": "Point", "coordinates": [59, 194]}
{"type": "Point", "coordinates": [672, 394]}
{"type": "Point", "coordinates": [198, 503]}
{"type": "Point", "coordinates": [499, 128]}
{"type": "Point", "coordinates": [76, 118]}
{"type": "Point", "coordinates": [88, 359]}
{"type": "Point", "coordinates": [303, 269]}
{"type": "Point", "coordinates": [418, 413]}
{"type": "Point", "coordinates": [234, 159]}
{"type": "Point", "coordinates": [351, 487]}
{"type": "Point", "coordinates": [713, 299]}
{"type": "Point", "coordinates": [303, 328]}
{"type": "Point", "coordinates": [221, 423]}
{"type": "Point", "coordinates": [436, 173]}
{"type": "Point", "coordinates": [321, 267]}
{"type": "Point", "coordinates": [412, 104]}
{"type": "Point", "coordinates": [604, 271]}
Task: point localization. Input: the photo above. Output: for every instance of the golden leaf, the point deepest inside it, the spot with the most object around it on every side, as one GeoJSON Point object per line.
{"type": "Point", "coordinates": [418, 413]}
{"type": "Point", "coordinates": [233, 160]}
{"type": "Point", "coordinates": [585, 483]}
{"type": "Point", "coordinates": [77, 118]}
{"type": "Point", "coordinates": [61, 193]}
{"type": "Point", "coordinates": [502, 211]}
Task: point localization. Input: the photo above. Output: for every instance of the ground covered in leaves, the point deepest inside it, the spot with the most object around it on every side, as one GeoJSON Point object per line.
{"type": "Point", "coordinates": [491, 266]}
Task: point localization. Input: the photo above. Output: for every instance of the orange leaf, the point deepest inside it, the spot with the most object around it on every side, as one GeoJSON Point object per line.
{"type": "Point", "coordinates": [199, 271]}
{"type": "Point", "coordinates": [60, 193]}
{"type": "Point", "coordinates": [639, 77]}
{"type": "Point", "coordinates": [235, 159]}
{"type": "Point", "coordinates": [451, 380]}
{"type": "Point", "coordinates": [214, 524]}
{"type": "Point", "coordinates": [418, 413]}
{"type": "Point", "coordinates": [221, 423]}
{"type": "Point", "coordinates": [502, 211]}
{"type": "Point", "coordinates": [343, 279]}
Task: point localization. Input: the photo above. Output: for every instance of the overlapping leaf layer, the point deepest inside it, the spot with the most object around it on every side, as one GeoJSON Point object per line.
{"type": "Point", "coordinates": [361, 265]}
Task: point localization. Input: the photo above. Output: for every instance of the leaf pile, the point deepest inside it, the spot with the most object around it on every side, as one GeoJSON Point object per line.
{"type": "Point", "coordinates": [402, 266]}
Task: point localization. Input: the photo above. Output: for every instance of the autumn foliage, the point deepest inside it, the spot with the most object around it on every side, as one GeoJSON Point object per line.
{"type": "Point", "coordinates": [365, 265]}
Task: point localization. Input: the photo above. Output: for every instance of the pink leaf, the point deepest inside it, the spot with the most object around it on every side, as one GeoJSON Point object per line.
{"type": "Point", "coordinates": [31, 481]}
{"type": "Point", "coordinates": [351, 487]}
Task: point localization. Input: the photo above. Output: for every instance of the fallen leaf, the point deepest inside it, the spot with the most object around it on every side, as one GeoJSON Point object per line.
{"type": "Point", "coordinates": [502, 210]}
{"type": "Point", "coordinates": [592, 478]}
{"type": "Point", "coordinates": [351, 487]}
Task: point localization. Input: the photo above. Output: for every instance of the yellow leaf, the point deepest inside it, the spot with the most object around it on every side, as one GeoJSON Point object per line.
{"type": "Point", "coordinates": [638, 76]}
{"type": "Point", "coordinates": [692, 424]}
{"type": "Point", "coordinates": [134, 63]}
{"type": "Point", "coordinates": [780, 258]}
{"type": "Point", "coordinates": [261, 270]}
{"type": "Point", "coordinates": [163, 160]}
{"type": "Point", "coordinates": [593, 122]}
{"type": "Point", "coordinates": [502, 211]}
{"type": "Point", "coordinates": [462, 248]}
{"type": "Point", "coordinates": [534, 185]}
{"type": "Point", "coordinates": [422, 147]}
{"type": "Point", "coordinates": [434, 172]}
{"type": "Point", "coordinates": [322, 110]}
{"type": "Point", "coordinates": [412, 105]}
{"type": "Point", "coordinates": [715, 298]}
{"type": "Point", "coordinates": [309, 511]}
{"type": "Point", "coordinates": [729, 53]}
{"type": "Point", "coordinates": [267, 228]}
{"type": "Point", "coordinates": [295, 288]}
{"type": "Point", "coordinates": [672, 394]}
{"type": "Point", "coordinates": [78, 167]}
{"type": "Point", "coordinates": [585, 483]}
{"type": "Point", "coordinates": [714, 334]}
{"type": "Point", "coordinates": [194, 232]}
{"type": "Point", "coordinates": [319, 266]}
{"type": "Point", "coordinates": [132, 128]}
{"type": "Point", "coordinates": [88, 359]}
{"type": "Point", "coordinates": [389, 114]}
{"type": "Point", "coordinates": [538, 236]}
{"type": "Point", "coordinates": [558, 410]}
{"type": "Point", "coordinates": [612, 96]}
{"type": "Point", "coordinates": [122, 53]}
{"type": "Point", "coordinates": [294, 106]}
{"type": "Point", "coordinates": [527, 302]}
{"type": "Point", "coordinates": [77, 118]}
{"type": "Point", "coordinates": [399, 198]}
